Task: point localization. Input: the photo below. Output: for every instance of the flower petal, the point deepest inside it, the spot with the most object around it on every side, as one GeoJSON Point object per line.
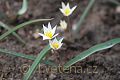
{"type": "Point", "coordinates": [55, 35]}
{"type": "Point", "coordinates": [55, 40]}
{"type": "Point", "coordinates": [68, 6]}
{"type": "Point", "coordinates": [63, 24]}
{"type": "Point", "coordinates": [44, 37]}
{"type": "Point", "coordinates": [53, 30]}
{"type": "Point", "coordinates": [45, 29]}
{"type": "Point", "coordinates": [61, 40]}
{"type": "Point", "coordinates": [50, 43]}
{"type": "Point", "coordinates": [73, 9]}
{"type": "Point", "coordinates": [62, 11]}
{"type": "Point", "coordinates": [49, 26]}
{"type": "Point", "coordinates": [60, 45]}
{"type": "Point", "coordinates": [63, 5]}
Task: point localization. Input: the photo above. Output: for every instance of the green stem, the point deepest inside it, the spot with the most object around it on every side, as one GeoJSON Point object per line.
{"type": "Point", "coordinates": [82, 18]}
{"type": "Point", "coordinates": [69, 28]}
{"type": "Point", "coordinates": [36, 63]}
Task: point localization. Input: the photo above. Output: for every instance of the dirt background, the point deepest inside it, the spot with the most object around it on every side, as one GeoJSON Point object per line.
{"type": "Point", "coordinates": [102, 24]}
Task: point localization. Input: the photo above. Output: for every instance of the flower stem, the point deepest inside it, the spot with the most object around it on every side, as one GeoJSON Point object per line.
{"type": "Point", "coordinates": [85, 13]}
{"type": "Point", "coordinates": [69, 28]}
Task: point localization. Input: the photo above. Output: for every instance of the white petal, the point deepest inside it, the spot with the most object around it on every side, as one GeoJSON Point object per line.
{"type": "Point", "coordinates": [55, 35]}
{"type": "Point", "coordinates": [73, 8]}
{"type": "Point", "coordinates": [68, 6]}
{"type": "Point", "coordinates": [50, 43]}
{"type": "Point", "coordinates": [49, 26]}
{"type": "Point", "coordinates": [45, 29]}
{"type": "Point", "coordinates": [55, 40]}
{"type": "Point", "coordinates": [63, 5]}
{"type": "Point", "coordinates": [60, 45]}
{"type": "Point", "coordinates": [44, 37]}
{"type": "Point", "coordinates": [53, 30]}
{"type": "Point", "coordinates": [61, 21]}
{"type": "Point", "coordinates": [62, 11]}
{"type": "Point", "coordinates": [41, 34]}
{"type": "Point", "coordinates": [63, 24]}
{"type": "Point", "coordinates": [61, 40]}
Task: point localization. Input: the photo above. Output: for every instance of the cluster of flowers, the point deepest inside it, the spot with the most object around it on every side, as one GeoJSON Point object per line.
{"type": "Point", "coordinates": [49, 32]}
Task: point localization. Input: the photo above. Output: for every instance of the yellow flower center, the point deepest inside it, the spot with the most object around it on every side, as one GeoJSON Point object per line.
{"type": "Point", "coordinates": [55, 45]}
{"type": "Point", "coordinates": [49, 34]}
{"type": "Point", "coordinates": [67, 11]}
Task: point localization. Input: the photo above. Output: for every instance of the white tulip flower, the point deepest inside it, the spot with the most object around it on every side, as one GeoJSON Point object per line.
{"type": "Point", "coordinates": [66, 9]}
{"type": "Point", "coordinates": [49, 33]}
{"type": "Point", "coordinates": [55, 44]}
{"type": "Point", "coordinates": [63, 25]}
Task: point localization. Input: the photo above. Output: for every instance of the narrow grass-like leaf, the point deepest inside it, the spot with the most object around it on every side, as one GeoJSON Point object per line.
{"type": "Point", "coordinates": [12, 53]}
{"type": "Point", "coordinates": [92, 50]}
{"type": "Point", "coordinates": [36, 62]}
{"type": "Point", "coordinates": [31, 57]}
{"type": "Point", "coordinates": [115, 2]}
{"type": "Point", "coordinates": [85, 13]}
{"type": "Point", "coordinates": [15, 34]}
{"type": "Point", "coordinates": [24, 8]}
{"type": "Point", "coordinates": [22, 25]}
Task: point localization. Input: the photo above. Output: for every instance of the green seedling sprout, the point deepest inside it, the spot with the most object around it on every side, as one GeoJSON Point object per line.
{"type": "Point", "coordinates": [24, 7]}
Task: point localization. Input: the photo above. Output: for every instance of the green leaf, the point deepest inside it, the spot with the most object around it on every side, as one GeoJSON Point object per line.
{"type": "Point", "coordinates": [21, 26]}
{"type": "Point", "coordinates": [92, 50]}
{"type": "Point", "coordinates": [36, 62]}
{"type": "Point", "coordinates": [15, 34]}
{"type": "Point", "coordinates": [85, 13]}
{"type": "Point", "coordinates": [12, 53]}
{"type": "Point", "coordinates": [24, 8]}
{"type": "Point", "coordinates": [31, 57]}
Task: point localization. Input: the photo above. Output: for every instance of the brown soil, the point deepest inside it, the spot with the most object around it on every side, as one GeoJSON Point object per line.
{"type": "Point", "coordinates": [102, 24]}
